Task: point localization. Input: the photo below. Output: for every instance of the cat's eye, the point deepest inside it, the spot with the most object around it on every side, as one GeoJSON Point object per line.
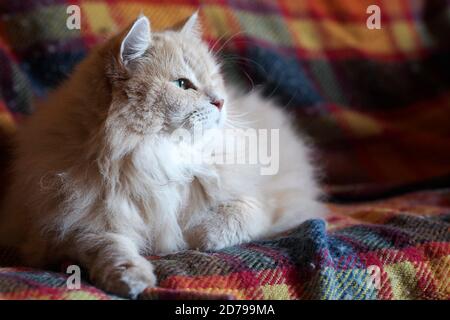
{"type": "Point", "coordinates": [184, 84]}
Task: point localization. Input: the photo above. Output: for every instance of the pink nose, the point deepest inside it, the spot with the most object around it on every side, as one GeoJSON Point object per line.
{"type": "Point", "coordinates": [218, 103]}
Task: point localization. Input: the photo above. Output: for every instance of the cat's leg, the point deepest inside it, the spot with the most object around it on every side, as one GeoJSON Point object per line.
{"type": "Point", "coordinates": [114, 263]}
{"type": "Point", "coordinates": [228, 224]}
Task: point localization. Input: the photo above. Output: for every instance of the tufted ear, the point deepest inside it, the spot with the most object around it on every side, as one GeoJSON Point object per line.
{"type": "Point", "coordinates": [192, 27]}
{"type": "Point", "coordinates": [136, 41]}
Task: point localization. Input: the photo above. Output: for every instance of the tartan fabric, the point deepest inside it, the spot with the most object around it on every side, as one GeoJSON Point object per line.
{"type": "Point", "coordinates": [377, 102]}
{"type": "Point", "coordinates": [406, 237]}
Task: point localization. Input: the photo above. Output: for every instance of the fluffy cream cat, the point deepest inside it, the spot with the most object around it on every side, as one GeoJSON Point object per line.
{"type": "Point", "coordinates": [99, 179]}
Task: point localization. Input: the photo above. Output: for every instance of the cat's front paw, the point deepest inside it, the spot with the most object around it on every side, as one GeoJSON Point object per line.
{"type": "Point", "coordinates": [217, 239]}
{"type": "Point", "coordinates": [217, 233]}
{"type": "Point", "coordinates": [129, 279]}
{"type": "Point", "coordinates": [228, 224]}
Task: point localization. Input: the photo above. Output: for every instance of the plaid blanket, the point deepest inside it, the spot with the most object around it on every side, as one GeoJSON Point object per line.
{"type": "Point", "coordinates": [392, 249]}
{"type": "Point", "coordinates": [376, 102]}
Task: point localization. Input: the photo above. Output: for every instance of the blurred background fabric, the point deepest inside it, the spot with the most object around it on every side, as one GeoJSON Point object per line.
{"type": "Point", "coordinates": [375, 102]}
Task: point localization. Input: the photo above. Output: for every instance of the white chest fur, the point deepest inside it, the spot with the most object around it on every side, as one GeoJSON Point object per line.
{"type": "Point", "coordinates": [171, 191]}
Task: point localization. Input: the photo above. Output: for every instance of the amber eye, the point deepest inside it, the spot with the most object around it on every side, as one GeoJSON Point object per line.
{"type": "Point", "coordinates": [184, 84]}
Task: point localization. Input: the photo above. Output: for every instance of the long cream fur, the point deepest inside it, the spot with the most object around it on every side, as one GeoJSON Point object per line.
{"type": "Point", "coordinates": [97, 179]}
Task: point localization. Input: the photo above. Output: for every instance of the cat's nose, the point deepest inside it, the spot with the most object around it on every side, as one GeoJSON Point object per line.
{"type": "Point", "coordinates": [218, 103]}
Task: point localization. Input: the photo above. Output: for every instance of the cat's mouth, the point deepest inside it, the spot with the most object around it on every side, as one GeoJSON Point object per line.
{"type": "Point", "coordinates": [203, 119]}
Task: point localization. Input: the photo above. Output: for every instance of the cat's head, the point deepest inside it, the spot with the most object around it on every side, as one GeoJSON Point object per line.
{"type": "Point", "coordinates": [162, 81]}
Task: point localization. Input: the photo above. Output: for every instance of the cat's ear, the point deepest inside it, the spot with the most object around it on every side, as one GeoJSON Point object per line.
{"type": "Point", "coordinates": [136, 41]}
{"type": "Point", "coordinates": [192, 28]}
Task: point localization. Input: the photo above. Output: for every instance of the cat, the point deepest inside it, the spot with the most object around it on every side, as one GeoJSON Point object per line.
{"type": "Point", "coordinates": [97, 176]}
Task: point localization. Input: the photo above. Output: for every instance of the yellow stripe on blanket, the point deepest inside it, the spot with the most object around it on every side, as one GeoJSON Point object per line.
{"type": "Point", "coordinates": [403, 280]}
{"type": "Point", "coordinates": [99, 18]}
{"type": "Point", "coordinates": [161, 16]}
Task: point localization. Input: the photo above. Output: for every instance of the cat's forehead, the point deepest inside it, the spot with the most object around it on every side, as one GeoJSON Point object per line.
{"type": "Point", "coordinates": [194, 54]}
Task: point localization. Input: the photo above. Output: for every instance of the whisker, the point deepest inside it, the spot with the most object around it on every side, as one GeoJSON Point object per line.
{"type": "Point", "coordinates": [228, 41]}
{"type": "Point", "coordinates": [244, 59]}
{"type": "Point", "coordinates": [211, 49]}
